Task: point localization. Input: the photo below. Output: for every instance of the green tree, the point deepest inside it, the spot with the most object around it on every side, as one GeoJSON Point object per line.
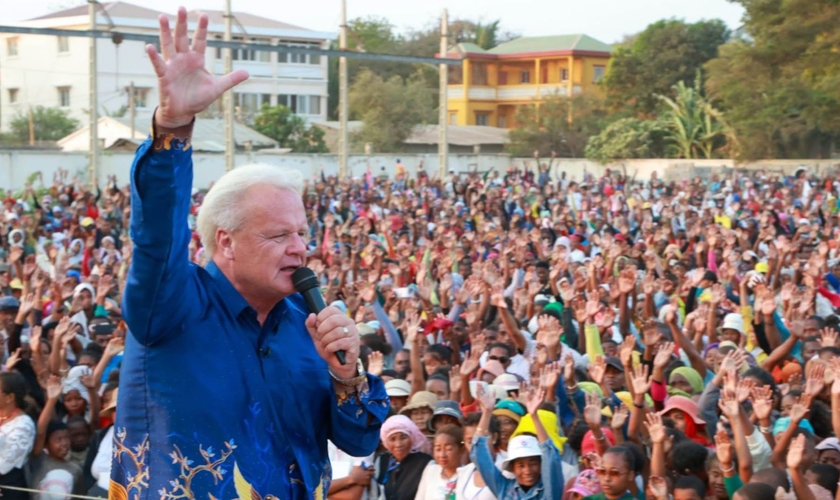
{"type": "Point", "coordinates": [628, 138]}
{"type": "Point", "coordinates": [559, 125]}
{"type": "Point", "coordinates": [389, 109]}
{"type": "Point", "coordinates": [652, 62]}
{"type": "Point", "coordinates": [780, 84]}
{"type": "Point", "coordinates": [50, 124]}
{"type": "Point", "coordinates": [290, 130]}
{"type": "Point", "coordinates": [695, 128]}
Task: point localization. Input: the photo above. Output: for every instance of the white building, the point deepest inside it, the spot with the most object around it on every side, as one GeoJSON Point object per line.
{"type": "Point", "coordinates": [39, 70]}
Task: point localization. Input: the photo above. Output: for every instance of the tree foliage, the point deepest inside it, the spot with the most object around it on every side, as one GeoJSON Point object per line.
{"type": "Point", "coordinates": [780, 85]}
{"type": "Point", "coordinates": [290, 130]}
{"type": "Point", "coordinates": [50, 124]}
{"type": "Point", "coordinates": [628, 138]}
{"type": "Point", "coordinates": [695, 128]}
{"type": "Point", "coordinates": [559, 125]}
{"type": "Point", "coordinates": [389, 109]}
{"type": "Point", "coordinates": [377, 35]}
{"type": "Point", "coordinates": [652, 62]}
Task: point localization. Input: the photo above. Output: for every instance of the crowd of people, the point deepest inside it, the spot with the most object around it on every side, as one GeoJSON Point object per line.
{"type": "Point", "coordinates": [539, 337]}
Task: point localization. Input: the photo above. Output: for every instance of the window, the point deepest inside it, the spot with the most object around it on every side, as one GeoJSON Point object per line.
{"type": "Point", "coordinates": [301, 104]}
{"type": "Point", "coordinates": [13, 96]}
{"type": "Point", "coordinates": [63, 44]}
{"type": "Point", "coordinates": [314, 105]}
{"type": "Point", "coordinates": [525, 76]}
{"type": "Point", "coordinates": [64, 97]}
{"type": "Point", "coordinates": [564, 74]}
{"type": "Point", "coordinates": [503, 78]}
{"type": "Point", "coordinates": [246, 54]}
{"type": "Point", "coordinates": [453, 118]}
{"type": "Point", "coordinates": [482, 119]}
{"type": "Point", "coordinates": [12, 47]}
{"type": "Point", "coordinates": [502, 121]}
{"type": "Point", "coordinates": [456, 75]}
{"type": "Point", "coordinates": [141, 96]}
{"type": "Point", "coordinates": [479, 74]}
{"type": "Point", "coordinates": [265, 99]}
{"type": "Point", "coordinates": [285, 57]}
{"type": "Point", "coordinates": [598, 73]}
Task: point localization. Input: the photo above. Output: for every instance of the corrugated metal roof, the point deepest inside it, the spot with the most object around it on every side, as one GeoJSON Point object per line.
{"type": "Point", "coordinates": [556, 43]}
{"type": "Point", "coordinates": [209, 134]}
{"type": "Point", "coordinates": [245, 19]}
{"type": "Point", "coordinates": [459, 135]}
{"type": "Point", "coordinates": [114, 9]}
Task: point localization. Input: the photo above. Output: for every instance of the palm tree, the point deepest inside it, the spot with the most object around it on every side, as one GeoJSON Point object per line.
{"type": "Point", "coordinates": [486, 36]}
{"type": "Point", "coordinates": [694, 124]}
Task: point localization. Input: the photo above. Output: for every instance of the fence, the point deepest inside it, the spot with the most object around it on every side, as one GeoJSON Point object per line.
{"type": "Point", "coordinates": [16, 165]}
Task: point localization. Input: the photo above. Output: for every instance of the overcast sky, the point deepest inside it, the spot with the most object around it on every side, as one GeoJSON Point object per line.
{"type": "Point", "coordinates": [606, 20]}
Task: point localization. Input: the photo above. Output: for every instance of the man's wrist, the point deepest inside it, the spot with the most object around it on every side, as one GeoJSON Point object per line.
{"type": "Point", "coordinates": [170, 134]}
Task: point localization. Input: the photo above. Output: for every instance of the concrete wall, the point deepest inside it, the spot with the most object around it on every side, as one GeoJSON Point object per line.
{"type": "Point", "coordinates": [17, 165]}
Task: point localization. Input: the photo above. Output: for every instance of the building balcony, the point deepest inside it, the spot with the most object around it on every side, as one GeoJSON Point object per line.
{"type": "Point", "coordinates": [511, 92]}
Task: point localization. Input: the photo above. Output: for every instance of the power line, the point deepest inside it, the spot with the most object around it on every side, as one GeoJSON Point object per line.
{"type": "Point", "coordinates": [288, 49]}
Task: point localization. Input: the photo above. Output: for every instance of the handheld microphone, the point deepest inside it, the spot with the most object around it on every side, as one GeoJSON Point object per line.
{"type": "Point", "coordinates": [306, 283]}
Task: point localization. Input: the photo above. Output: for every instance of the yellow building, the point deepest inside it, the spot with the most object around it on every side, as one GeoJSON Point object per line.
{"type": "Point", "coordinates": [491, 84]}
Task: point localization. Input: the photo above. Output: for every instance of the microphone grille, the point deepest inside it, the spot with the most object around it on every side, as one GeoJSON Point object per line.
{"type": "Point", "coordinates": [304, 278]}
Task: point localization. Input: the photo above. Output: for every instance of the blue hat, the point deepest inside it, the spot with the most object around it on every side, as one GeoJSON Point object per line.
{"type": "Point", "coordinates": [9, 303]}
{"type": "Point", "coordinates": [449, 408]}
{"type": "Point", "coordinates": [784, 422]}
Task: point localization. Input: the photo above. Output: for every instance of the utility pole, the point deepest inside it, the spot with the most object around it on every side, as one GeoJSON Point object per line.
{"type": "Point", "coordinates": [443, 119]}
{"type": "Point", "coordinates": [31, 128]}
{"type": "Point", "coordinates": [228, 97]}
{"type": "Point", "coordinates": [342, 96]}
{"type": "Point", "coordinates": [131, 111]}
{"type": "Point", "coordinates": [93, 161]}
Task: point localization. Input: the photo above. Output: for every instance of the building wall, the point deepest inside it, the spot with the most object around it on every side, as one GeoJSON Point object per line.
{"type": "Point", "coordinates": [17, 165]}
{"type": "Point", "coordinates": [39, 70]}
{"type": "Point", "coordinates": [502, 100]}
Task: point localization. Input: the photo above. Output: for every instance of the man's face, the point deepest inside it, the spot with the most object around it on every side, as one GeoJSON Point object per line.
{"type": "Point", "coordinates": [85, 300]}
{"type": "Point", "coordinates": [500, 355]}
{"type": "Point", "coordinates": [614, 378]}
{"type": "Point", "coordinates": [402, 361]}
{"type": "Point", "coordinates": [686, 494]}
{"type": "Point", "coordinates": [542, 275]}
{"type": "Point", "coordinates": [439, 388]}
{"type": "Point", "coordinates": [7, 319]}
{"type": "Point", "coordinates": [268, 248]}
{"type": "Point", "coordinates": [830, 457]}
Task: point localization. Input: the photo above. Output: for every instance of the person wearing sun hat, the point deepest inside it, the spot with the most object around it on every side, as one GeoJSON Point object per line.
{"type": "Point", "coordinates": [446, 413]}
{"type": "Point", "coordinates": [420, 409]}
{"type": "Point", "coordinates": [586, 484]}
{"type": "Point", "coordinates": [686, 416]}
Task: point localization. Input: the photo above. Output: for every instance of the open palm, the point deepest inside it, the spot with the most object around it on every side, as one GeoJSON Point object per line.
{"type": "Point", "coordinates": [186, 88]}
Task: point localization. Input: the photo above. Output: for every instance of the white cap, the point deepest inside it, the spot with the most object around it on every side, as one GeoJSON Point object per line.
{"type": "Point", "coordinates": [733, 321]}
{"type": "Point", "coordinates": [521, 447]}
{"type": "Point", "coordinates": [397, 387]}
{"type": "Point", "coordinates": [508, 381]}
{"type": "Point", "coordinates": [84, 286]}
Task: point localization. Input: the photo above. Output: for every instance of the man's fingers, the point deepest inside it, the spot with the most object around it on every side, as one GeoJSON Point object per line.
{"type": "Point", "coordinates": [333, 323]}
{"type": "Point", "coordinates": [200, 35]}
{"type": "Point", "coordinates": [344, 344]}
{"type": "Point", "coordinates": [312, 324]}
{"type": "Point", "coordinates": [167, 45]}
{"type": "Point", "coordinates": [157, 61]}
{"type": "Point", "coordinates": [232, 79]}
{"type": "Point", "coordinates": [182, 42]}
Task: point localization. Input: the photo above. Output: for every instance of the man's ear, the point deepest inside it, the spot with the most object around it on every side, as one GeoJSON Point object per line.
{"type": "Point", "coordinates": [224, 243]}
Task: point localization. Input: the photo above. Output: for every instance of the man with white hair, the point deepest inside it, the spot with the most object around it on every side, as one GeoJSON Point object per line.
{"type": "Point", "coordinates": [229, 388]}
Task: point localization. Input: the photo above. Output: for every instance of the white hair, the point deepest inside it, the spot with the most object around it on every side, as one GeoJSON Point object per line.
{"type": "Point", "coordinates": [223, 205]}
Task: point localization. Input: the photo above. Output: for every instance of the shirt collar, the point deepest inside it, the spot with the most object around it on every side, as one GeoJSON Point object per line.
{"type": "Point", "coordinates": [235, 303]}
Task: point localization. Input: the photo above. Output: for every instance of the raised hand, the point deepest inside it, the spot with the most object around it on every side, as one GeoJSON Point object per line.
{"type": "Point", "coordinates": [762, 402]}
{"type": "Point", "coordinates": [620, 417]}
{"type": "Point", "coordinates": [723, 448]}
{"type": "Point", "coordinates": [485, 399]}
{"type": "Point", "coordinates": [663, 355]}
{"type": "Point", "coordinates": [659, 487]}
{"type": "Point", "coordinates": [185, 87]}
{"type": "Point", "coordinates": [828, 337]}
{"type": "Point", "coordinates": [816, 381]}
{"type": "Point", "coordinates": [549, 376]}
{"type": "Point", "coordinates": [375, 363]}
{"type": "Point", "coordinates": [597, 370]}
{"type": "Point", "coordinates": [744, 389]}
{"type": "Point", "coordinates": [533, 399]}
{"type": "Point", "coordinates": [729, 405]}
{"type": "Point", "coordinates": [14, 359]}
{"type": "Point", "coordinates": [655, 428]}
{"type": "Point", "coordinates": [412, 327]}
{"type": "Point", "coordinates": [798, 412]}
{"type": "Point", "coordinates": [115, 346]}
{"type": "Point", "coordinates": [650, 333]}
{"type": "Point", "coordinates": [641, 380]}
{"type": "Point", "coordinates": [795, 452]}
{"type": "Point", "coordinates": [625, 350]}
{"type": "Point", "coordinates": [53, 387]}
{"type": "Point", "coordinates": [592, 411]}
{"type": "Point", "coordinates": [472, 362]}
{"type": "Point", "coordinates": [27, 304]}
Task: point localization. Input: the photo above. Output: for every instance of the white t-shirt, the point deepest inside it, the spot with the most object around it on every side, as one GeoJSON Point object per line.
{"type": "Point", "coordinates": [466, 488]}
{"type": "Point", "coordinates": [101, 467]}
{"type": "Point", "coordinates": [342, 463]}
{"type": "Point", "coordinates": [433, 486]}
{"type": "Point", "coordinates": [17, 437]}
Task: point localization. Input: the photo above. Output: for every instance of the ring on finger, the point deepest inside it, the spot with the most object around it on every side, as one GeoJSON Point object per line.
{"type": "Point", "coordinates": [345, 330]}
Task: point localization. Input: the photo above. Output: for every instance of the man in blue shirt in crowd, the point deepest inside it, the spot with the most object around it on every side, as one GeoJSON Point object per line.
{"type": "Point", "coordinates": [229, 387]}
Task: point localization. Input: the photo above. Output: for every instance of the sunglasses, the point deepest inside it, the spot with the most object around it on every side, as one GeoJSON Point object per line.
{"type": "Point", "coordinates": [500, 359]}
{"type": "Point", "coordinates": [613, 473]}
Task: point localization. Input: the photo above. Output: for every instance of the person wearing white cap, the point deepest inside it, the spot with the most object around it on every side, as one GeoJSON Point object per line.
{"type": "Point", "coordinates": [533, 460]}
{"type": "Point", "coordinates": [398, 391]}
